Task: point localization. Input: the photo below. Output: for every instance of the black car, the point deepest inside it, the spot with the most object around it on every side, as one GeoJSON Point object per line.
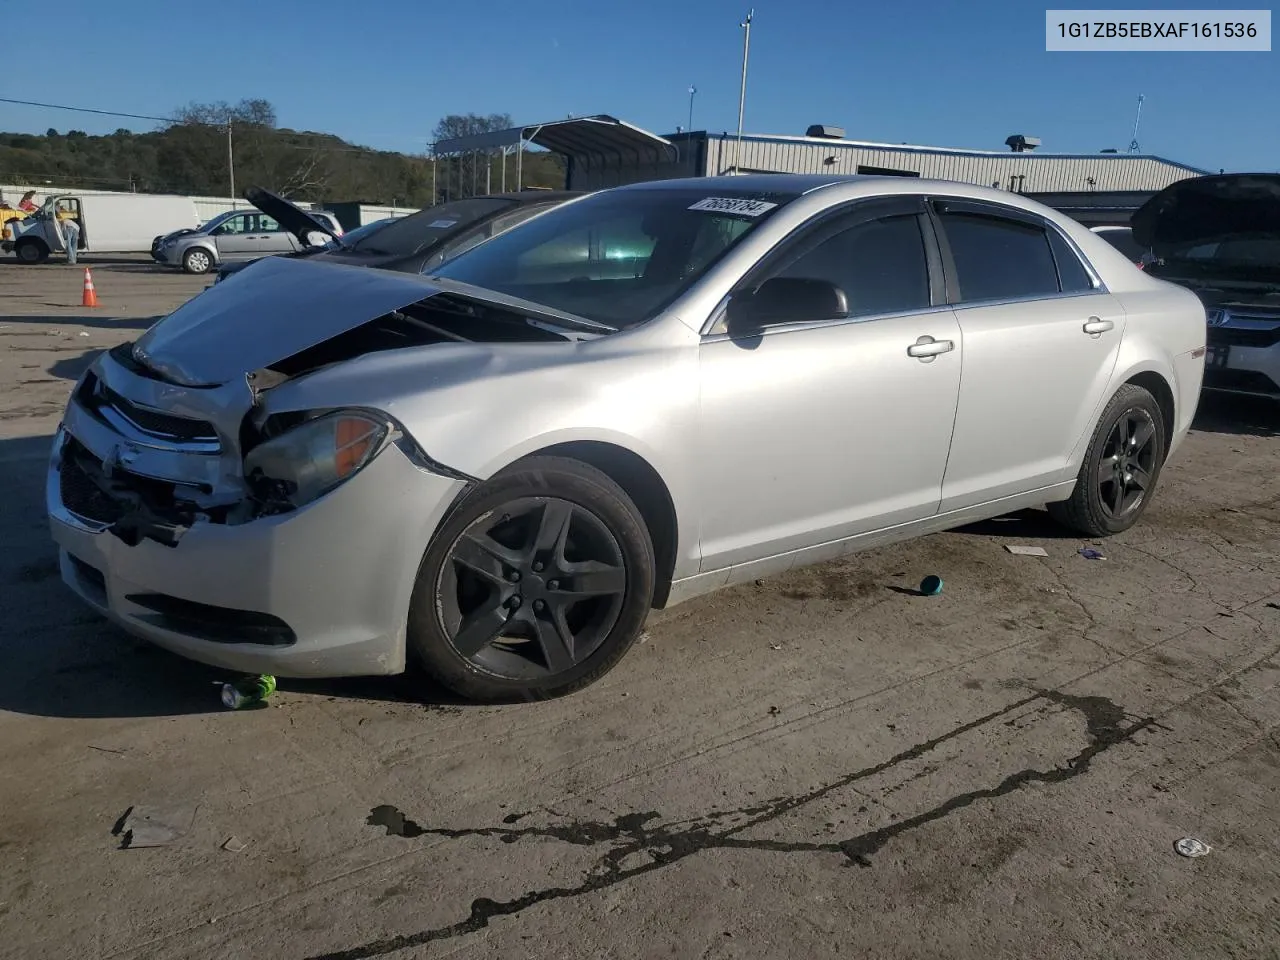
{"type": "Point", "coordinates": [1220, 237]}
{"type": "Point", "coordinates": [412, 244]}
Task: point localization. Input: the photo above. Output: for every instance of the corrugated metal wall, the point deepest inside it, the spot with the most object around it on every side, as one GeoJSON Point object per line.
{"type": "Point", "coordinates": [1039, 172]}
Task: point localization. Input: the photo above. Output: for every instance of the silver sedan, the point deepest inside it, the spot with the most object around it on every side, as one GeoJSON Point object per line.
{"type": "Point", "coordinates": [638, 397]}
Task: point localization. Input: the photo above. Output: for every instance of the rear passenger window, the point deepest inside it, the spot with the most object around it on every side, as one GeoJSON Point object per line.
{"type": "Point", "coordinates": [999, 259]}
{"type": "Point", "coordinates": [1072, 276]}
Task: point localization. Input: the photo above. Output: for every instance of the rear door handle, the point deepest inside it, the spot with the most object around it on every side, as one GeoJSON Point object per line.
{"type": "Point", "coordinates": [1093, 326]}
{"type": "Point", "coordinates": [926, 348]}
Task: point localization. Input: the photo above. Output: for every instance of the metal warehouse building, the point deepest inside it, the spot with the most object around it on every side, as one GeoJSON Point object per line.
{"type": "Point", "coordinates": [602, 151]}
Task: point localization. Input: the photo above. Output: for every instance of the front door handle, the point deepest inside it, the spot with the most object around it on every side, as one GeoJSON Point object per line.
{"type": "Point", "coordinates": [926, 348]}
{"type": "Point", "coordinates": [1093, 326]}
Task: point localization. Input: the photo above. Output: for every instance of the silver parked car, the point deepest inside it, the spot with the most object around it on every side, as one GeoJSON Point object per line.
{"type": "Point", "coordinates": [238, 235]}
{"type": "Point", "coordinates": [638, 397]}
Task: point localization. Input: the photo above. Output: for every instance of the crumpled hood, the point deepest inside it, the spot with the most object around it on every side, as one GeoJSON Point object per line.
{"type": "Point", "coordinates": [293, 218]}
{"type": "Point", "coordinates": [1209, 208]}
{"type": "Point", "coordinates": [276, 308]}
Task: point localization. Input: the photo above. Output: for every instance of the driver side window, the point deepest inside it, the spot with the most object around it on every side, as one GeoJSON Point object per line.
{"type": "Point", "coordinates": [233, 226]}
{"type": "Point", "coordinates": [880, 265]}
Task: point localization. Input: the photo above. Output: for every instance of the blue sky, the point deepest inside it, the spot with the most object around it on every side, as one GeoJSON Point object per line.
{"type": "Point", "coordinates": [929, 72]}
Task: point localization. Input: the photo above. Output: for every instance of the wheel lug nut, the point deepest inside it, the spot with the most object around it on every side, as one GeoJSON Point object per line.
{"type": "Point", "coordinates": [514, 602]}
{"type": "Point", "coordinates": [553, 584]}
{"type": "Point", "coordinates": [537, 567]}
{"type": "Point", "coordinates": [538, 604]}
{"type": "Point", "coordinates": [514, 576]}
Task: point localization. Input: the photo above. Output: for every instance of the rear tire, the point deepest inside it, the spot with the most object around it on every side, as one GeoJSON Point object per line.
{"type": "Point", "coordinates": [535, 586]}
{"type": "Point", "coordinates": [1121, 467]}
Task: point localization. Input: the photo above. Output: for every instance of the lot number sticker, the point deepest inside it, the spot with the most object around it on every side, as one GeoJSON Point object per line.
{"type": "Point", "coordinates": [743, 208]}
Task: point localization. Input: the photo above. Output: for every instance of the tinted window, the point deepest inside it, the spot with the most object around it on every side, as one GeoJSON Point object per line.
{"type": "Point", "coordinates": [616, 256]}
{"type": "Point", "coordinates": [880, 265]}
{"type": "Point", "coordinates": [1072, 276]}
{"type": "Point", "coordinates": [997, 259]}
{"type": "Point", "coordinates": [414, 233]}
{"type": "Point", "coordinates": [1123, 241]}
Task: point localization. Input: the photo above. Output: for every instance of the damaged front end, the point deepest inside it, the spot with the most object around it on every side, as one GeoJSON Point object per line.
{"type": "Point", "coordinates": [138, 471]}
{"type": "Point", "coordinates": [176, 430]}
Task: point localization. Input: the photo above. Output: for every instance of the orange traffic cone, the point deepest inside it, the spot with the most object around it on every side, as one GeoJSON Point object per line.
{"type": "Point", "coordinates": [90, 298]}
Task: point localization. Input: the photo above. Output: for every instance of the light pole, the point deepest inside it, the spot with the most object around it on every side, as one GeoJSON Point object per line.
{"type": "Point", "coordinates": [231, 166]}
{"type": "Point", "coordinates": [692, 91]}
{"type": "Point", "coordinates": [742, 92]}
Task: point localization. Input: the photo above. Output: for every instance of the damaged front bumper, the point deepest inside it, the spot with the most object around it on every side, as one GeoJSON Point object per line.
{"type": "Point", "coordinates": [155, 532]}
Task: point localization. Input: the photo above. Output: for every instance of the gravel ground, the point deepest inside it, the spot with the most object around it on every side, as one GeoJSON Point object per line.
{"type": "Point", "coordinates": [818, 765]}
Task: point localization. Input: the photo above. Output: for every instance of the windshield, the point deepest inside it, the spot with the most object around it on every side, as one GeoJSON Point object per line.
{"type": "Point", "coordinates": [616, 257]}
{"type": "Point", "coordinates": [1123, 241]}
{"type": "Point", "coordinates": [412, 234]}
{"type": "Point", "coordinates": [352, 237]}
{"type": "Point", "coordinates": [1235, 250]}
{"type": "Point", "coordinates": [213, 222]}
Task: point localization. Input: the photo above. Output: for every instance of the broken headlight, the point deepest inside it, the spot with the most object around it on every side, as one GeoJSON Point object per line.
{"type": "Point", "coordinates": [310, 459]}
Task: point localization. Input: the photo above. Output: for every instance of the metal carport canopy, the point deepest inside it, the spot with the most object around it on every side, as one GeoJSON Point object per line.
{"type": "Point", "coordinates": [599, 136]}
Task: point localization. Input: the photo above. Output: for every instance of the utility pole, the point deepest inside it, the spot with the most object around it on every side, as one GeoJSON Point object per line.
{"type": "Point", "coordinates": [231, 165]}
{"type": "Point", "coordinates": [1133, 144]}
{"type": "Point", "coordinates": [692, 91]}
{"type": "Point", "coordinates": [742, 92]}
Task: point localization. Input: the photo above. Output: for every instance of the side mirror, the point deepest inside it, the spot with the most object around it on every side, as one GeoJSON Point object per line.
{"type": "Point", "coordinates": [785, 300]}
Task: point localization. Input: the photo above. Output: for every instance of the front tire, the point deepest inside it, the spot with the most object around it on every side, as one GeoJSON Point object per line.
{"type": "Point", "coordinates": [31, 252]}
{"type": "Point", "coordinates": [1120, 468]}
{"type": "Point", "coordinates": [535, 586]}
{"type": "Point", "coordinates": [197, 260]}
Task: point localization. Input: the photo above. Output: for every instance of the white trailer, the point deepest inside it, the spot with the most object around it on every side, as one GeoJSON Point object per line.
{"type": "Point", "coordinates": [109, 223]}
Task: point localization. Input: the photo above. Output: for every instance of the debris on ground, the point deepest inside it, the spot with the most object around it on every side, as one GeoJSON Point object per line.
{"type": "Point", "coordinates": [1089, 553]}
{"type": "Point", "coordinates": [775, 646]}
{"type": "Point", "coordinates": [1191, 847]}
{"type": "Point", "coordinates": [233, 844]}
{"type": "Point", "coordinates": [248, 691]}
{"type": "Point", "coordinates": [153, 826]}
{"type": "Point", "coordinates": [84, 333]}
{"type": "Point", "coordinates": [1026, 551]}
{"type": "Point", "coordinates": [774, 711]}
{"type": "Point", "coordinates": [931, 586]}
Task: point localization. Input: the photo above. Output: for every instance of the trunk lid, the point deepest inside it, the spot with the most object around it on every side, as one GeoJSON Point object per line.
{"type": "Point", "coordinates": [1222, 228]}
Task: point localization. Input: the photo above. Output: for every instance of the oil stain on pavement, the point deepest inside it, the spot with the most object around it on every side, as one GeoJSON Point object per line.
{"type": "Point", "coordinates": [632, 836]}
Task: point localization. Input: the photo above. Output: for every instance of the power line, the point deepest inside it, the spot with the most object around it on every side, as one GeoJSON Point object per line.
{"type": "Point", "coordinates": [103, 113]}
{"type": "Point", "coordinates": [334, 148]}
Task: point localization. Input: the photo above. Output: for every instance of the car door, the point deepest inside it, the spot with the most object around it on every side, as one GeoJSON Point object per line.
{"type": "Point", "coordinates": [1041, 338]}
{"type": "Point", "coordinates": [274, 238]}
{"type": "Point", "coordinates": [235, 237]}
{"type": "Point", "coordinates": [814, 432]}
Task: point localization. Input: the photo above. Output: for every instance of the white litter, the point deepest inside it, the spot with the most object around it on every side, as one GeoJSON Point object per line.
{"type": "Point", "coordinates": [1027, 551]}
{"type": "Point", "coordinates": [1191, 847]}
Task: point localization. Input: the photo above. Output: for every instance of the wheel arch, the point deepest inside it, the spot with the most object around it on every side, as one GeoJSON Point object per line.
{"type": "Point", "coordinates": [28, 241]}
{"type": "Point", "coordinates": [647, 490]}
{"type": "Point", "coordinates": [1159, 387]}
{"type": "Point", "coordinates": [637, 477]}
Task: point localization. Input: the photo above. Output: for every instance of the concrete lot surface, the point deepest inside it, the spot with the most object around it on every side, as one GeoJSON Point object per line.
{"type": "Point", "coordinates": [821, 765]}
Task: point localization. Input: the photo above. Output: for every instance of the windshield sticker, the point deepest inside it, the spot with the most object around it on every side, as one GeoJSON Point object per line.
{"type": "Point", "coordinates": [739, 206]}
{"type": "Point", "coordinates": [442, 224]}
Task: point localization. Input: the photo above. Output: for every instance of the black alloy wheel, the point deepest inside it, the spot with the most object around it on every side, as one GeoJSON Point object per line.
{"type": "Point", "coordinates": [1121, 466]}
{"type": "Point", "coordinates": [535, 586]}
{"type": "Point", "coordinates": [531, 591]}
{"type": "Point", "coordinates": [1128, 464]}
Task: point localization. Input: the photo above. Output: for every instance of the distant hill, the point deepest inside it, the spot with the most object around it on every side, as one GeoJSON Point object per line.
{"type": "Point", "coordinates": [191, 158]}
